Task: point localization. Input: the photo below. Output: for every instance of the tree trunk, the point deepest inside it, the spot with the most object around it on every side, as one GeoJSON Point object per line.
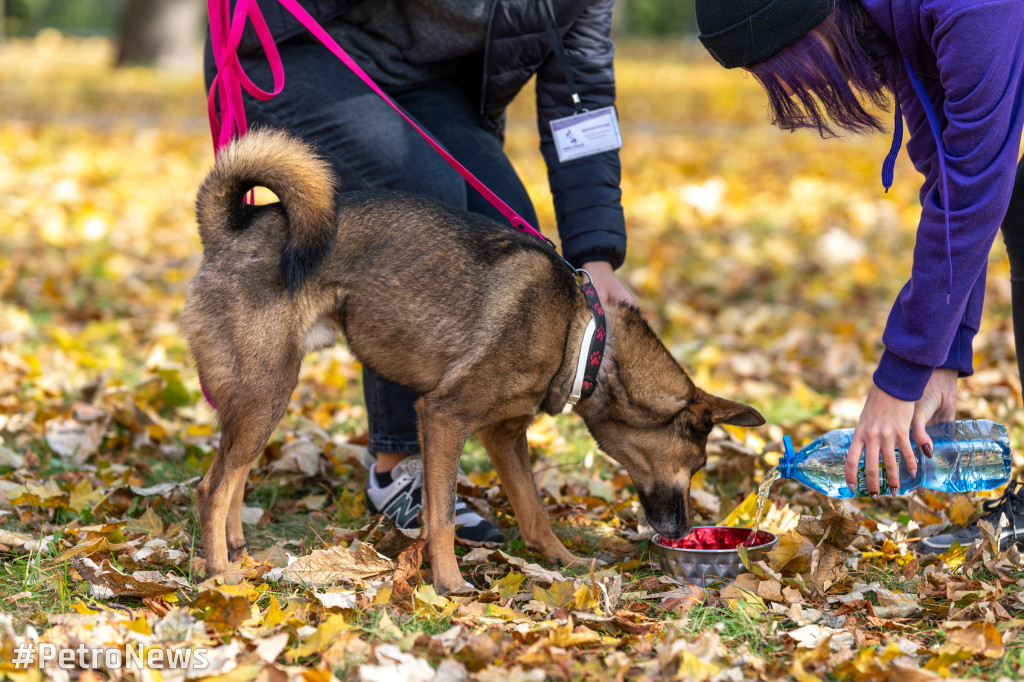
{"type": "Point", "coordinates": [162, 33]}
{"type": "Point", "coordinates": [620, 18]}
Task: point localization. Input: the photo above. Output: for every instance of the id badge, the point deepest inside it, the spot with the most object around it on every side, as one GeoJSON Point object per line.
{"type": "Point", "coordinates": [591, 132]}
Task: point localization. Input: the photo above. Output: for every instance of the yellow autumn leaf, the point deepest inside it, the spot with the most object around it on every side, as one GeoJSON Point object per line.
{"type": "Point", "coordinates": [508, 586]}
{"type": "Point", "coordinates": [82, 495]}
{"type": "Point", "coordinates": [484, 479]}
{"type": "Point", "coordinates": [693, 668]}
{"type": "Point", "coordinates": [561, 593]}
{"type": "Point", "coordinates": [80, 607]}
{"type": "Point", "coordinates": [426, 595]}
{"type": "Point", "coordinates": [743, 514]}
{"type": "Point", "coordinates": [567, 635]}
{"type": "Point", "coordinates": [584, 599]}
{"type": "Point", "coordinates": [244, 589]}
{"type": "Point", "coordinates": [954, 556]}
{"type": "Point", "coordinates": [322, 638]}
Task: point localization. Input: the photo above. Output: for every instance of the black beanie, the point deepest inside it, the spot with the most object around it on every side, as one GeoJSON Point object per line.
{"type": "Point", "coordinates": [746, 32]}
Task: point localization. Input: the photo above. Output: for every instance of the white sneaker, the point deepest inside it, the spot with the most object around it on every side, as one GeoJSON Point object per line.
{"type": "Point", "coordinates": [402, 500]}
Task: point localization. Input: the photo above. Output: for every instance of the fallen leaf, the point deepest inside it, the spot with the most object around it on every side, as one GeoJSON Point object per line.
{"type": "Point", "coordinates": [106, 582]}
{"type": "Point", "coordinates": [561, 593]}
{"type": "Point", "coordinates": [338, 565]}
{"type": "Point", "coordinates": [74, 441]}
{"type": "Point", "coordinates": [977, 637]}
{"type": "Point", "coordinates": [961, 510]}
{"type": "Point", "coordinates": [509, 586]}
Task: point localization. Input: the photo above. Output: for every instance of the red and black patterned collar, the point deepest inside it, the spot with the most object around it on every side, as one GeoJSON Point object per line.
{"type": "Point", "coordinates": [591, 347]}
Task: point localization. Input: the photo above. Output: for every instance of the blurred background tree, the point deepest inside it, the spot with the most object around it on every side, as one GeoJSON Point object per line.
{"type": "Point", "coordinates": [164, 33]}
{"type": "Point", "coordinates": [650, 18]}
{"type": "Point", "coordinates": [160, 33]}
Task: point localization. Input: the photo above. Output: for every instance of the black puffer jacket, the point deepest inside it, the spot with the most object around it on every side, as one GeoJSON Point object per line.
{"type": "Point", "coordinates": [586, 191]}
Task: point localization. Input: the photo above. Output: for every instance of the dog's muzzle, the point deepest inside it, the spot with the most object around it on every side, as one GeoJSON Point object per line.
{"type": "Point", "coordinates": [667, 509]}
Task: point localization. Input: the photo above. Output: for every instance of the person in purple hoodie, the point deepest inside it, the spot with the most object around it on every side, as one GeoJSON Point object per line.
{"type": "Point", "coordinates": [955, 72]}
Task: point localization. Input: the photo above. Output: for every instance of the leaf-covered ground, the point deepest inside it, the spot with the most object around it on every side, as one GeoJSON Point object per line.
{"type": "Point", "coordinates": [766, 261]}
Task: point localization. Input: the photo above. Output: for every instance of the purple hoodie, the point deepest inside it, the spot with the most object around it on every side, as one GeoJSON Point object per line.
{"type": "Point", "coordinates": [969, 57]}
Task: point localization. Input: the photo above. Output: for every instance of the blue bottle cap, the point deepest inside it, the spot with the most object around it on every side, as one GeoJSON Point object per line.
{"type": "Point", "coordinates": [789, 454]}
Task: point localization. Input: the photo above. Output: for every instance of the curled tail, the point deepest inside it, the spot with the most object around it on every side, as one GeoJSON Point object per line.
{"type": "Point", "coordinates": [301, 179]}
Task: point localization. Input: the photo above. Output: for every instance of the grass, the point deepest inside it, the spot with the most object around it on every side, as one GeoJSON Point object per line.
{"type": "Point", "coordinates": [739, 628]}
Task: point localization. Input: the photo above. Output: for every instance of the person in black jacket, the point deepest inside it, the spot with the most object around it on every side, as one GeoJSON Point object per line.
{"type": "Point", "coordinates": [453, 66]}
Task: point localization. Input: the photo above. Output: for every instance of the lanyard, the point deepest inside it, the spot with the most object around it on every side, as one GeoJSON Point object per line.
{"type": "Point", "coordinates": [563, 58]}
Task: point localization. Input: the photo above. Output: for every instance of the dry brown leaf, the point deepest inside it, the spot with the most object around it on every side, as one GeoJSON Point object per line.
{"type": "Point", "coordinates": [535, 573]}
{"type": "Point", "coordinates": [896, 604]}
{"type": "Point", "coordinates": [692, 596]}
{"type": "Point", "coordinates": [408, 569]}
{"type": "Point", "coordinates": [106, 582]}
{"type": "Point", "coordinates": [961, 510]}
{"type": "Point", "coordinates": [75, 441]}
{"type": "Point", "coordinates": [832, 532]}
{"type": "Point", "coordinates": [338, 565]}
{"type": "Point", "coordinates": [910, 570]}
{"type": "Point", "coordinates": [793, 553]}
{"type": "Point", "coordinates": [770, 590]}
{"type": "Point", "coordinates": [299, 456]}
{"type": "Point", "coordinates": [743, 587]}
{"type": "Point", "coordinates": [222, 611]}
{"type": "Point", "coordinates": [93, 546]}
{"type": "Point", "coordinates": [977, 637]}
{"type": "Point", "coordinates": [22, 543]}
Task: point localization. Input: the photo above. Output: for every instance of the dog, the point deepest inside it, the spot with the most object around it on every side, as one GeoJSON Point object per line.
{"type": "Point", "coordinates": [481, 321]}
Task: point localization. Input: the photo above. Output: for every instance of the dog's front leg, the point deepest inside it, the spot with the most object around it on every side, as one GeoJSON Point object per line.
{"type": "Point", "coordinates": [441, 439]}
{"type": "Point", "coordinates": [510, 454]}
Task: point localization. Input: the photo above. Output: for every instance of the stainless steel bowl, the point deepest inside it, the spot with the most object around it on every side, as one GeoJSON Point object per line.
{"type": "Point", "coordinates": [702, 566]}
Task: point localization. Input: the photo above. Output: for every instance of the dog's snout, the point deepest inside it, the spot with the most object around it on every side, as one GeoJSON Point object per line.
{"type": "Point", "coordinates": [667, 508]}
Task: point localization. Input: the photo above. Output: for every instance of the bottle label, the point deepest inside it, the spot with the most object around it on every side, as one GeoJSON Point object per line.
{"type": "Point", "coordinates": [862, 481]}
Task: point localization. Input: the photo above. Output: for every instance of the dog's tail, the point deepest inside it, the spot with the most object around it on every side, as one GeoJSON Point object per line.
{"type": "Point", "coordinates": [301, 179]}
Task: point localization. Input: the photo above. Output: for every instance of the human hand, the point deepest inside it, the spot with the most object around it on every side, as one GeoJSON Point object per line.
{"type": "Point", "coordinates": [937, 404]}
{"type": "Point", "coordinates": [609, 289]}
{"type": "Point", "coordinates": [884, 424]}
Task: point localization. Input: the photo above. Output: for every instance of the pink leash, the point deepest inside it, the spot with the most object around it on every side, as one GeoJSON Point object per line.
{"type": "Point", "coordinates": [226, 89]}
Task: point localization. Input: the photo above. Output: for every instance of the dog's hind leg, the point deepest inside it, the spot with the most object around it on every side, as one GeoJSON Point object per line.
{"type": "Point", "coordinates": [237, 546]}
{"type": "Point", "coordinates": [442, 439]}
{"type": "Point", "coordinates": [249, 417]}
{"type": "Point", "coordinates": [509, 452]}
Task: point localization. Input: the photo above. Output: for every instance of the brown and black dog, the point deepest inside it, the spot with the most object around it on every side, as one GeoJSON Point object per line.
{"type": "Point", "coordinates": [483, 322]}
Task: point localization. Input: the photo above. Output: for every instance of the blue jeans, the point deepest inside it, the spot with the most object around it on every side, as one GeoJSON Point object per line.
{"type": "Point", "coordinates": [372, 147]}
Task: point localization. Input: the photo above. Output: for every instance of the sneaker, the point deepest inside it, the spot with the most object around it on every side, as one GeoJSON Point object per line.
{"type": "Point", "coordinates": [402, 499]}
{"type": "Point", "coordinates": [1005, 514]}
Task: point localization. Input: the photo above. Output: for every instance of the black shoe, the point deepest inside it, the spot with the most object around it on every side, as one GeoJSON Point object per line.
{"type": "Point", "coordinates": [1010, 530]}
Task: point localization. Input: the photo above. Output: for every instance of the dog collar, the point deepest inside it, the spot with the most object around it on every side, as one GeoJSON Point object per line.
{"type": "Point", "coordinates": [591, 347]}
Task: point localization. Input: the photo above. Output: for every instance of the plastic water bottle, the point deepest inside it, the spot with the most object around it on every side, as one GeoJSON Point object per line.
{"type": "Point", "coordinates": [967, 455]}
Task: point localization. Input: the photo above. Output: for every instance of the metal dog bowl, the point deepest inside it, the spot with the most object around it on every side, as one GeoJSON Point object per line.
{"type": "Point", "coordinates": [701, 566]}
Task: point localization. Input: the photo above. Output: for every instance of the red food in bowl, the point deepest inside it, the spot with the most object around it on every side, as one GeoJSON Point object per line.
{"type": "Point", "coordinates": [715, 538]}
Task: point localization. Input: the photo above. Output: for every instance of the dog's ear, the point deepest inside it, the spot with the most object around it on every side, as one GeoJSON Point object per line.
{"type": "Point", "coordinates": [717, 410]}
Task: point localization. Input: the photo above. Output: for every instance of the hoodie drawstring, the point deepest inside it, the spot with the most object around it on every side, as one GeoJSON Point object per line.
{"type": "Point", "coordinates": [889, 166]}
{"type": "Point", "coordinates": [897, 140]}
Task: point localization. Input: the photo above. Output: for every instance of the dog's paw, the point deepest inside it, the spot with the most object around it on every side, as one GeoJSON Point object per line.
{"type": "Point", "coordinates": [238, 552]}
{"type": "Point", "coordinates": [465, 589]}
